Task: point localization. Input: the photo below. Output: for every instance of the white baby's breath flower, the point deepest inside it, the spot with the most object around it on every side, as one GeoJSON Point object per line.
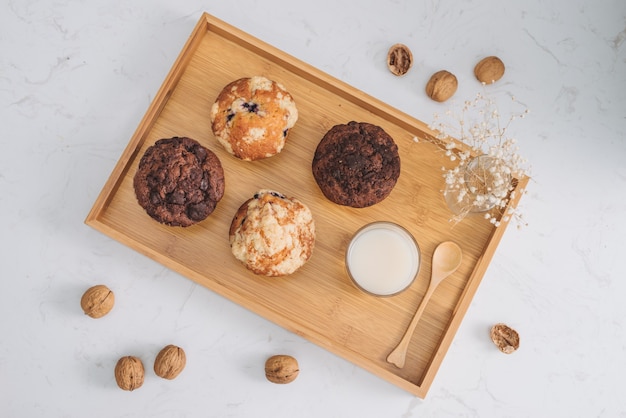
{"type": "Point", "coordinates": [480, 129]}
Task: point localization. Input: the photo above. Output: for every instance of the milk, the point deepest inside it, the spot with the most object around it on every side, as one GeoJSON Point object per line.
{"type": "Point", "coordinates": [382, 258]}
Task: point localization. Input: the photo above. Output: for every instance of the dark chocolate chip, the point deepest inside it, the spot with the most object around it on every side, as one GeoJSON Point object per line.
{"type": "Point", "coordinates": [177, 197]}
{"type": "Point", "coordinates": [204, 183]}
{"type": "Point", "coordinates": [198, 211]}
{"type": "Point", "coordinates": [200, 153]}
{"type": "Point", "coordinates": [155, 199]}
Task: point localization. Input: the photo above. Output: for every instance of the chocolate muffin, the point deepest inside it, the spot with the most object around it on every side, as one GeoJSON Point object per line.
{"type": "Point", "coordinates": [356, 164]}
{"type": "Point", "coordinates": [271, 234]}
{"type": "Point", "coordinates": [251, 117]}
{"type": "Point", "coordinates": [179, 182]}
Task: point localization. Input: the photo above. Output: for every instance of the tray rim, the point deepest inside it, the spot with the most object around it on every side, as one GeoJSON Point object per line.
{"type": "Point", "coordinates": [208, 23]}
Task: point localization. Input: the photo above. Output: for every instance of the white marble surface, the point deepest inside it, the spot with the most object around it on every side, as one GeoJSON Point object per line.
{"type": "Point", "coordinates": [77, 76]}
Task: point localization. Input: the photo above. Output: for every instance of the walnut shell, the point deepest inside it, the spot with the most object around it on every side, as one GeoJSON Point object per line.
{"type": "Point", "coordinates": [97, 301]}
{"type": "Point", "coordinates": [489, 70]}
{"type": "Point", "coordinates": [170, 361]}
{"type": "Point", "coordinates": [129, 373]}
{"type": "Point", "coordinates": [399, 59]}
{"type": "Point", "coordinates": [281, 369]}
{"type": "Point", "coordinates": [441, 86]}
{"type": "Point", "coordinates": [505, 338]}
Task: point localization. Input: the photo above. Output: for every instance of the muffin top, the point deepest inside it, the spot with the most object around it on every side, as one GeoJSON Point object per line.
{"type": "Point", "coordinates": [271, 234]}
{"type": "Point", "coordinates": [178, 181]}
{"type": "Point", "coordinates": [251, 117]}
{"type": "Point", "coordinates": [356, 164]}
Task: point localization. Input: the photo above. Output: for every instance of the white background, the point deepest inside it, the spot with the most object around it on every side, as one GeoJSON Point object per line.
{"type": "Point", "coordinates": [75, 80]}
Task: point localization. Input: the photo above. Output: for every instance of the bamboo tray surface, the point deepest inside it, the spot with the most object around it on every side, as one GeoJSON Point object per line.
{"type": "Point", "coordinates": [317, 302]}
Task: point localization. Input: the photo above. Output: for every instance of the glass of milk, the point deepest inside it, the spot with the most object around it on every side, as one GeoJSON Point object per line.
{"type": "Point", "coordinates": [382, 258]}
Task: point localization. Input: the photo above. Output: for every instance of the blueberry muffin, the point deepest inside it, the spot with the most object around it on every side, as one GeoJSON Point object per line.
{"type": "Point", "coordinates": [178, 181]}
{"type": "Point", "coordinates": [356, 164]}
{"type": "Point", "coordinates": [251, 117]}
{"type": "Point", "coordinates": [272, 235]}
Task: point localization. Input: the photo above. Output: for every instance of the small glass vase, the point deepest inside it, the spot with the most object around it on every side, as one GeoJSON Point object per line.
{"type": "Point", "coordinates": [478, 185]}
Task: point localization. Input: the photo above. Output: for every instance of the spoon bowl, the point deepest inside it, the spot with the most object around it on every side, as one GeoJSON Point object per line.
{"type": "Point", "coordinates": [446, 260]}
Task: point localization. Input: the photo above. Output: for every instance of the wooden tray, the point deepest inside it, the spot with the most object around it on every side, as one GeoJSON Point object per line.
{"type": "Point", "coordinates": [318, 302]}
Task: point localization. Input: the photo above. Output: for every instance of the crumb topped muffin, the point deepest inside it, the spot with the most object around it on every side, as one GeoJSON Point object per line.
{"type": "Point", "coordinates": [271, 234]}
{"type": "Point", "coordinates": [251, 117]}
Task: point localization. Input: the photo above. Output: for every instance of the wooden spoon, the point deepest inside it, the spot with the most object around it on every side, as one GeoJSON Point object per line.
{"type": "Point", "coordinates": [446, 260]}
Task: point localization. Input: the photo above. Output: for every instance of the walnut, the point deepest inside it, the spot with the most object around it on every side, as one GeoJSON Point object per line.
{"type": "Point", "coordinates": [505, 338]}
{"type": "Point", "coordinates": [170, 361]}
{"type": "Point", "coordinates": [441, 86]}
{"type": "Point", "coordinates": [281, 369]}
{"type": "Point", "coordinates": [489, 70]}
{"type": "Point", "coordinates": [129, 373]}
{"type": "Point", "coordinates": [399, 59]}
{"type": "Point", "coordinates": [97, 301]}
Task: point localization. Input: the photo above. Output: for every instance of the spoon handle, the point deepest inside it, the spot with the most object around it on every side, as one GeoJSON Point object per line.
{"type": "Point", "coordinates": [398, 355]}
